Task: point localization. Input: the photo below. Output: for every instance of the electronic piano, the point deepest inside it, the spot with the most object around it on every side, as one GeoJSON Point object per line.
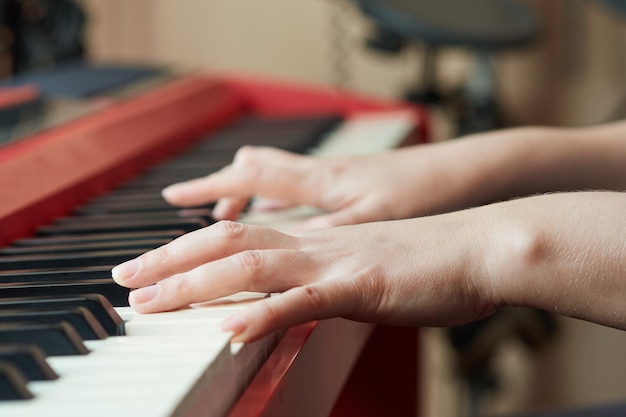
{"type": "Point", "coordinates": [80, 197]}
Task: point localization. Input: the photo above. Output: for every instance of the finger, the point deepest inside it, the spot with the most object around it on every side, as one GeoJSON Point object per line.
{"type": "Point", "coordinates": [254, 270]}
{"type": "Point", "coordinates": [357, 213]}
{"type": "Point", "coordinates": [261, 204]}
{"type": "Point", "coordinates": [277, 174]}
{"type": "Point", "coordinates": [227, 182]}
{"type": "Point", "coordinates": [217, 241]}
{"type": "Point", "coordinates": [296, 306]}
{"type": "Point", "coordinates": [229, 208]}
{"type": "Point", "coordinates": [254, 172]}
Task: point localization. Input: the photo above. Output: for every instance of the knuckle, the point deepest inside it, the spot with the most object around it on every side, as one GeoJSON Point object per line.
{"type": "Point", "coordinates": [251, 261]}
{"type": "Point", "coordinates": [182, 288]}
{"type": "Point", "coordinates": [269, 313]}
{"type": "Point", "coordinates": [332, 170]}
{"type": "Point", "coordinates": [161, 257]}
{"type": "Point", "coordinates": [369, 280]}
{"type": "Point", "coordinates": [245, 155]}
{"type": "Point", "coordinates": [369, 290]}
{"type": "Point", "coordinates": [229, 229]}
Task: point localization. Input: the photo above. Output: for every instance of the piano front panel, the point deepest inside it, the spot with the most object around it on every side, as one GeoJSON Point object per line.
{"type": "Point", "coordinates": [87, 158]}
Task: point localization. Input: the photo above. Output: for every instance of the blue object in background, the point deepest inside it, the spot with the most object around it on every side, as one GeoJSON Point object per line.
{"type": "Point", "coordinates": [82, 79]}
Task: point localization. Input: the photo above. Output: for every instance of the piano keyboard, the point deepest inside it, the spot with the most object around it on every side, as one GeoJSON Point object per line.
{"type": "Point", "coordinates": [166, 364]}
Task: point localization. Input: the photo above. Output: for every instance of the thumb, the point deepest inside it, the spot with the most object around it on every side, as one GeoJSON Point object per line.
{"type": "Point", "coordinates": [353, 214]}
{"type": "Point", "coordinates": [295, 306]}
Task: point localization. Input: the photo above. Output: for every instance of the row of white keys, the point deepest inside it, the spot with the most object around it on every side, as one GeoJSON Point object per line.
{"type": "Point", "coordinates": [154, 370]}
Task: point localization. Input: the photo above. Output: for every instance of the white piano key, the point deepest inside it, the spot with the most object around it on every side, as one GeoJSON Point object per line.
{"type": "Point", "coordinates": [199, 319]}
{"type": "Point", "coordinates": [368, 133]}
{"type": "Point", "coordinates": [152, 369]}
{"type": "Point", "coordinates": [126, 313]}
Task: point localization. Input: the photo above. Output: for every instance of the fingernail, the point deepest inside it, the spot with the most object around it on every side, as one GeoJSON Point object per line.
{"type": "Point", "coordinates": [172, 190]}
{"type": "Point", "coordinates": [168, 191]}
{"type": "Point", "coordinates": [145, 294]}
{"type": "Point", "coordinates": [234, 324]}
{"type": "Point", "coordinates": [123, 272]}
{"type": "Point", "coordinates": [219, 212]}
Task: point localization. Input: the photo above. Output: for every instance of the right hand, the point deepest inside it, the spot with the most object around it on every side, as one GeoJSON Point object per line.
{"type": "Point", "coordinates": [410, 272]}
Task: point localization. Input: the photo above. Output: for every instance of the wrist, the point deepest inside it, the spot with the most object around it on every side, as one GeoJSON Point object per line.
{"type": "Point", "coordinates": [515, 247]}
{"type": "Point", "coordinates": [477, 169]}
{"type": "Point", "coordinates": [505, 164]}
{"type": "Point", "coordinates": [562, 253]}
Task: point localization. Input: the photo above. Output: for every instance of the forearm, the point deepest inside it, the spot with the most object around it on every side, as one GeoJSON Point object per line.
{"type": "Point", "coordinates": [564, 253]}
{"type": "Point", "coordinates": [544, 160]}
{"type": "Point", "coordinates": [561, 252]}
{"type": "Point", "coordinates": [496, 166]}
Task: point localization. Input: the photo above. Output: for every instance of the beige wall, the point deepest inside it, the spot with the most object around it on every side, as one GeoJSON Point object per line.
{"type": "Point", "coordinates": [573, 75]}
{"type": "Point", "coordinates": [284, 38]}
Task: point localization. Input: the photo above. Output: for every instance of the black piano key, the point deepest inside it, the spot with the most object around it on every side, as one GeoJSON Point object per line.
{"type": "Point", "coordinates": [66, 260]}
{"type": "Point", "coordinates": [30, 360]}
{"type": "Point", "coordinates": [128, 196]}
{"type": "Point", "coordinates": [116, 294]}
{"type": "Point", "coordinates": [175, 170]}
{"type": "Point", "coordinates": [12, 383]}
{"type": "Point", "coordinates": [269, 132]}
{"type": "Point", "coordinates": [156, 184]}
{"type": "Point", "coordinates": [145, 244]}
{"type": "Point", "coordinates": [99, 306]}
{"type": "Point", "coordinates": [132, 207]}
{"type": "Point", "coordinates": [79, 317]}
{"type": "Point", "coordinates": [298, 134]}
{"type": "Point", "coordinates": [265, 135]}
{"type": "Point", "coordinates": [189, 165]}
{"type": "Point", "coordinates": [160, 216]}
{"type": "Point", "coordinates": [98, 237]}
{"type": "Point", "coordinates": [187, 225]}
{"type": "Point", "coordinates": [198, 162]}
{"type": "Point", "coordinates": [56, 275]}
{"type": "Point", "coordinates": [289, 122]}
{"type": "Point", "coordinates": [127, 207]}
{"type": "Point", "coordinates": [58, 339]}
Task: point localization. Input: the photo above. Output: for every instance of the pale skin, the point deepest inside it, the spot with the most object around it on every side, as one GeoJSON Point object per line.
{"type": "Point", "coordinates": [429, 235]}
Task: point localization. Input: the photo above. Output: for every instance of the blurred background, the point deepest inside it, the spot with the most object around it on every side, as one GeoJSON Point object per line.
{"type": "Point", "coordinates": [571, 72]}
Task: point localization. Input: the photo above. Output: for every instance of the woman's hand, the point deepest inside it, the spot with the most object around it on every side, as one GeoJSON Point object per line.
{"type": "Point", "coordinates": [415, 181]}
{"type": "Point", "coordinates": [358, 189]}
{"type": "Point", "coordinates": [560, 252]}
{"type": "Point", "coordinates": [418, 272]}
